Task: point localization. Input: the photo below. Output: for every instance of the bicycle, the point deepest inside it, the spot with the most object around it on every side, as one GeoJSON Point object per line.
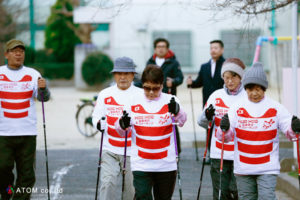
{"type": "Point", "coordinates": [84, 117]}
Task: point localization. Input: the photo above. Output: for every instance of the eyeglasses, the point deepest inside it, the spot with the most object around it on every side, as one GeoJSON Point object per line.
{"type": "Point", "coordinates": [154, 89]}
{"type": "Point", "coordinates": [17, 51]}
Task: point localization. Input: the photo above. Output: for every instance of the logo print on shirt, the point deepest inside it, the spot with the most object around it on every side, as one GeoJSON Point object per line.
{"type": "Point", "coordinates": [163, 119]}
{"type": "Point", "coordinates": [268, 124]}
{"type": "Point", "coordinates": [137, 108]}
{"type": "Point", "coordinates": [25, 86]}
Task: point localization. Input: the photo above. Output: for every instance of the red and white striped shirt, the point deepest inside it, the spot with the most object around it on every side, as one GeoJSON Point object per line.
{"type": "Point", "coordinates": [152, 134]}
{"type": "Point", "coordinates": [110, 103]}
{"type": "Point", "coordinates": [221, 101]}
{"type": "Point", "coordinates": [18, 89]}
{"type": "Point", "coordinates": [256, 135]}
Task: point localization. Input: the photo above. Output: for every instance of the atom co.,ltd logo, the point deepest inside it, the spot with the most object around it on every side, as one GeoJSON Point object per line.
{"type": "Point", "coordinates": [10, 190]}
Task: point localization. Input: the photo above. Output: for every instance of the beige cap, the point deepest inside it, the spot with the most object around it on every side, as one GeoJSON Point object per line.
{"type": "Point", "coordinates": [13, 43]}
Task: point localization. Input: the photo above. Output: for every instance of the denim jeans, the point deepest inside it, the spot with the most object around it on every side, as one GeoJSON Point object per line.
{"type": "Point", "coordinates": [257, 187]}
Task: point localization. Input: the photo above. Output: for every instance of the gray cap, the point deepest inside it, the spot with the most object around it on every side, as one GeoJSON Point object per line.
{"type": "Point", "coordinates": [255, 75]}
{"type": "Point", "coordinates": [13, 43]}
{"type": "Point", "coordinates": [124, 64]}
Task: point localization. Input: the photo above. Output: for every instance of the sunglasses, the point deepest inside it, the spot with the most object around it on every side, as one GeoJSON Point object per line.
{"type": "Point", "coordinates": [154, 89]}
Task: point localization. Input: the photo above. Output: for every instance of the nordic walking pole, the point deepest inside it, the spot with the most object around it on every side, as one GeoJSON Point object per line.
{"type": "Point", "coordinates": [298, 157]}
{"type": "Point", "coordinates": [204, 157]}
{"type": "Point", "coordinates": [192, 106]}
{"type": "Point", "coordinates": [100, 157]}
{"type": "Point", "coordinates": [45, 140]}
{"type": "Point", "coordinates": [221, 164]}
{"type": "Point", "coordinates": [177, 156]}
{"type": "Point", "coordinates": [124, 164]}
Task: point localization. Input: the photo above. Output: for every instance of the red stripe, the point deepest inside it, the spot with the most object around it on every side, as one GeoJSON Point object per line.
{"type": "Point", "coordinates": [153, 156]}
{"type": "Point", "coordinates": [253, 161]}
{"type": "Point", "coordinates": [15, 106]}
{"type": "Point", "coordinates": [139, 109]}
{"type": "Point", "coordinates": [220, 103]}
{"type": "Point", "coordinates": [152, 144]}
{"type": "Point", "coordinates": [26, 78]}
{"type": "Point", "coordinates": [217, 121]}
{"type": "Point", "coordinates": [111, 101]}
{"type": "Point", "coordinates": [153, 131]}
{"type": "Point", "coordinates": [255, 135]}
{"type": "Point", "coordinates": [16, 115]}
{"type": "Point", "coordinates": [255, 149]}
{"type": "Point", "coordinates": [227, 147]}
{"type": "Point", "coordinates": [114, 133]}
{"type": "Point", "coordinates": [16, 95]}
{"type": "Point", "coordinates": [119, 143]}
{"type": "Point", "coordinates": [111, 120]}
{"type": "Point", "coordinates": [242, 112]}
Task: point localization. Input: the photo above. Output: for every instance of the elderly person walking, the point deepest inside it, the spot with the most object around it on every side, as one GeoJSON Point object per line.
{"type": "Point", "coordinates": [110, 104]}
{"type": "Point", "coordinates": [153, 156]}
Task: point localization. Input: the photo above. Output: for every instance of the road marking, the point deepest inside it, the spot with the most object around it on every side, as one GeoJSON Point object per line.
{"type": "Point", "coordinates": [58, 176]}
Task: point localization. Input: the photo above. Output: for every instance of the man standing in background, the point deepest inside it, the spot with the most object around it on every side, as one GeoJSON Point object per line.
{"type": "Point", "coordinates": [209, 76]}
{"type": "Point", "coordinates": [173, 76]}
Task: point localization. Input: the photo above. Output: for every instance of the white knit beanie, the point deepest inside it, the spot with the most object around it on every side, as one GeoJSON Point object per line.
{"type": "Point", "coordinates": [234, 65]}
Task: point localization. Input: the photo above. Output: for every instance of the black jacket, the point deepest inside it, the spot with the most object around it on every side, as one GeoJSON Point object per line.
{"type": "Point", "coordinates": [170, 68]}
{"type": "Point", "coordinates": [204, 79]}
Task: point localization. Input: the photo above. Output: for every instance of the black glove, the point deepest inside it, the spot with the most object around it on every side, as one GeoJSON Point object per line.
{"type": "Point", "coordinates": [173, 106]}
{"type": "Point", "coordinates": [125, 120]}
{"type": "Point", "coordinates": [296, 124]}
{"type": "Point", "coordinates": [99, 124]}
{"type": "Point", "coordinates": [225, 124]}
{"type": "Point", "coordinates": [209, 112]}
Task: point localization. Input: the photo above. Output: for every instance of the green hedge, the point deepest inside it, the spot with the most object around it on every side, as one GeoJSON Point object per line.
{"type": "Point", "coordinates": [96, 68]}
{"type": "Point", "coordinates": [55, 70]}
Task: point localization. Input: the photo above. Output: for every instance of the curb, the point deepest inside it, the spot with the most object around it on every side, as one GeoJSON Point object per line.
{"type": "Point", "coordinates": [289, 185]}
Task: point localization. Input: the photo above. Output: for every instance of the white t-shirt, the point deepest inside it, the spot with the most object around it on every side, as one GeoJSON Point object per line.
{"type": "Point", "coordinates": [110, 104]}
{"type": "Point", "coordinates": [159, 61]}
{"type": "Point", "coordinates": [18, 89]}
{"type": "Point", "coordinates": [153, 147]}
{"type": "Point", "coordinates": [256, 142]}
{"type": "Point", "coordinates": [221, 101]}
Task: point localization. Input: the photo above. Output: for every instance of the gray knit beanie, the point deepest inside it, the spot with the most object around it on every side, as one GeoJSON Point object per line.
{"type": "Point", "coordinates": [255, 75]}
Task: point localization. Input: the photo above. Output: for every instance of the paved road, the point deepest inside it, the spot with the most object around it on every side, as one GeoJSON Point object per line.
{"type": "Point", "coordinates": [73, 174]}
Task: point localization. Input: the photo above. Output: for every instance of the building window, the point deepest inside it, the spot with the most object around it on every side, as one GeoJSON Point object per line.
{"type": "Point", "coordinates": [240, 44]}
{"type": "Point", "coordinates": [180, 44]}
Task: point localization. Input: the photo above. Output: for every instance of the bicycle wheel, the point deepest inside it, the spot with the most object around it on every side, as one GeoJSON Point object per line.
{"type": "Point", "coordinates": [84, 120]}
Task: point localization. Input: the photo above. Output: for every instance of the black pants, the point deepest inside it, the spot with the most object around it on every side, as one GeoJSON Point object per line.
{"type": "Point", "coordinates": [228, 184]}
{"type": "Point", "coordinates": [20, 150]}
{"type": "Point", "coordinates": [163, 184]}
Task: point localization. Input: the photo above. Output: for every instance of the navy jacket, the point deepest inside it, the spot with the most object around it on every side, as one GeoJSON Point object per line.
{"type": "Point", "coordinates": [204, 79]}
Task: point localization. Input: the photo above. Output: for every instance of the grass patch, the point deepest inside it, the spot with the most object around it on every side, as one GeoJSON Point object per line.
{"type": "Point", "coordinates": [293, 174]}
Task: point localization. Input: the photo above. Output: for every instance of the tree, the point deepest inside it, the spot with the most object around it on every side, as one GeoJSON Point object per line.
{"type": "Point", "coordinates": [60, 38]}
{"type": "Point", "coordinates": [249, 7]}
{"type": "Point", "coordinates": [7, 29]}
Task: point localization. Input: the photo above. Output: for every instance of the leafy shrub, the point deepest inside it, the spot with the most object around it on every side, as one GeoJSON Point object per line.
{"type": "Point", "coordinates": [29, 55]}
{"type": "Point", "coordinates": [44, 56]}
{"type": "Point", "coordinates": [55, 70]}
{"type": "Point", "coordinates": [96, 68]}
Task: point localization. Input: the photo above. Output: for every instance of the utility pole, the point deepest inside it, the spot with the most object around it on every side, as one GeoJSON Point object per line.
{"type": "Point", "coordinates": [32, 24]}
{"type": "Point", "coordinates": [295, 60]}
